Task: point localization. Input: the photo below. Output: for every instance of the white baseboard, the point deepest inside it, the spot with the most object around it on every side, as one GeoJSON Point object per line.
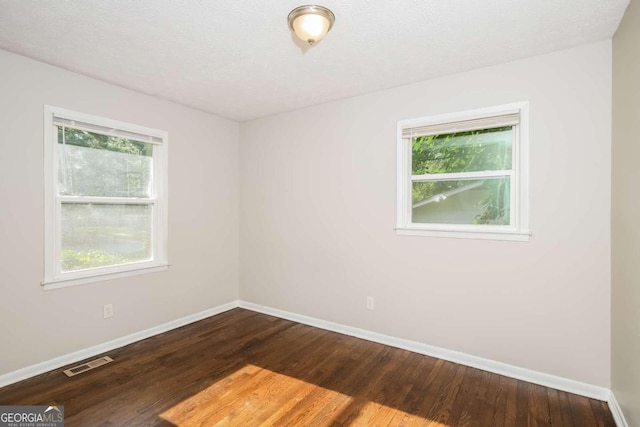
{"type": "Point", "coordinates": [528, 375]}
{"type": "Point", "coordinates": [535, 377]}
{"type": "Point", "coordinates": [616, 411]}
{"type": "Point", "coordinates": [58, 362]}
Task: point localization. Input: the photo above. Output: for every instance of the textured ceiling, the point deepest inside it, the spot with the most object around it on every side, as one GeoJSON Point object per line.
{"type": "Point", "coordinates": [237, 59]}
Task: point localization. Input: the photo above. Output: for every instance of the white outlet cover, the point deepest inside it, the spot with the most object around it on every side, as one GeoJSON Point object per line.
{"type": "Point", "coordinates": [370, 303]}
{"type": "Point", "coordinates": [107, 310]}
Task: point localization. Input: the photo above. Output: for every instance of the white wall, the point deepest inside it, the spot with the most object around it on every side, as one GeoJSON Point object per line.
{"type": "Point", "coordinates": [625, 239]}
{"type": "Point", "coordinates": [317, 211]}
{"type": "Point", "coordinates": [38, 325]}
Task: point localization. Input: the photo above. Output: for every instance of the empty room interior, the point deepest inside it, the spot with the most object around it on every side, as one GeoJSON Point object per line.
{"type": "Point", "coordinates": [348, 213]}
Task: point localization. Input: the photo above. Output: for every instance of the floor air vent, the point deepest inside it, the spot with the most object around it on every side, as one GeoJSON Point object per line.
{"type": "Point", "coordinates": [88, 366]}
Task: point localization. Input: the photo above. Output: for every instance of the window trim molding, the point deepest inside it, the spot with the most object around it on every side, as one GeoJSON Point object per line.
{"type": "Point", "coordinates": [53, 277]}
{"type": "Point", "coordinates": [519, 230]}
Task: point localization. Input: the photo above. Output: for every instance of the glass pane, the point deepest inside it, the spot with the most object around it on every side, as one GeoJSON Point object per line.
{"type": "Point", "coordinates": [90, 164]}
{"type": "Point", "coordinates": [97, 235]}
{"type": "Point", "coordinates": [472, 151]}
{"type": "Point", "coordinates": [472, 201]}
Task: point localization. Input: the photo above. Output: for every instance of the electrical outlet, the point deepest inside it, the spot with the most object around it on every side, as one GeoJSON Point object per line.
{"type": "Point", "coordinates": [107, 311]}
{"type": "Point", "coordinates": [370, 303]}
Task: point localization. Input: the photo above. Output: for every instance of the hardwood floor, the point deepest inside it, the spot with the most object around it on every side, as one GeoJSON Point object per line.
{"type": "Point", "coordinates": [242, 368]}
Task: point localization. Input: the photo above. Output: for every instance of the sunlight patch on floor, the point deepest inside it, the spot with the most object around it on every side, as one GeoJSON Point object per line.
{"type": "Point", "coordinates": [374, 413]}
{"type": "Point", "coordinates": [254, 395]}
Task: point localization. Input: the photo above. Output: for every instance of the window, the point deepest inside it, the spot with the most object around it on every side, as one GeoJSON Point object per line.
{"type": "Point", "coordinates": [465, 174]}
{"type": "Point", "coordinates": [105, 198]}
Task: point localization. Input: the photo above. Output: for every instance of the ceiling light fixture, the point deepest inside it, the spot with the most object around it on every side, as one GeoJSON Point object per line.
{"type": "Point", "coordinates": [311, 23]}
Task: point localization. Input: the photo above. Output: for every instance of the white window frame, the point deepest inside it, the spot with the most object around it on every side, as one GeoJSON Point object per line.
{"type": "Point", "coordinates": [518, 229]}
{"type": "Point", "coordinates": [54, 277]}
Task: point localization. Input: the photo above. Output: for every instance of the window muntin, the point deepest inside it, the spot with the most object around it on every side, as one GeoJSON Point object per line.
{"type": "Point", "coordinates": [106, 198]}
{"type": "Point", "coordinates": [464, 174]}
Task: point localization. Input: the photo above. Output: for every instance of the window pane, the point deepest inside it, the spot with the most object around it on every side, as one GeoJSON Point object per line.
{"type": "Point", "coordinates": [472, 151]}
{"type": "Point", "coordinates": [97, 235]}
{"type": "Point", "coordinates": [91, 164]}
{"type": "Point", "coordinates": [473, 201]}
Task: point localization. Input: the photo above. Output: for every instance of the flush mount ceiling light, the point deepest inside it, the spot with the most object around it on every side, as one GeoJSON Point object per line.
{"type": "Point", "coordinates": [311, 23]}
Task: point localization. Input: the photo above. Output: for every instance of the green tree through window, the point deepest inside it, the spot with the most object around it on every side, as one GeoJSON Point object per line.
{"type": "Point", "coordinates": [470, 151]}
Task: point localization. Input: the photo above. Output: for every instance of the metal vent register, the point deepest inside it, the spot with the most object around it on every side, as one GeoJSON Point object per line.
{"type": "Point", "coordinates": [88, 366]}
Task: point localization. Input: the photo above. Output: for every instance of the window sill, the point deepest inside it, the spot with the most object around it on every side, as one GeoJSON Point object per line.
{"type": "Point", "coordinates": [48, 285]}
{"type": "Point", "coordinates": [508, 235]}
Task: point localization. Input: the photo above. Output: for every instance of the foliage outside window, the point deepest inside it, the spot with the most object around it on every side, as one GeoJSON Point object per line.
{"type": "Point", "coordinates": [464, 175]}
{"type": "Point", "coordinates": [106, 185]}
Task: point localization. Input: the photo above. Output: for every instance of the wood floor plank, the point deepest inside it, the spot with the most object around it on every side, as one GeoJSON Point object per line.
{"type": "Point", "coordinates": [431, 369]}
{"type": "Point", "coordinates": [487, 400]}
{"type": "Point", "coordinates": [565, 407]}
{"type": "Point", "coordinates": [538, 406]}
{"type": "Point", "coordinates": [602, 412]}
{"type": "Point", "coordinates": [342, 356]}
{"type": "Point", "coordinates": [250, 369]}
{"type": "Point", "coordinates": [346, 377]}
{"type": "Point", "coordinates": [582, 412]}
{"type": "Point", "coordinates": [359, 407]}
{"type": "Point", "coordinates": [511, 406]}
{"type": "Point", "coordinates": [445, 396]}
{"type": "Point", "coordinates": [499, 403]}
{"type": "Point", "coordinates": [522, 404]}
{"type": "Point", "coordinates": [555, 408]}
{"type": "Point", "coordinates": [379, 393]}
